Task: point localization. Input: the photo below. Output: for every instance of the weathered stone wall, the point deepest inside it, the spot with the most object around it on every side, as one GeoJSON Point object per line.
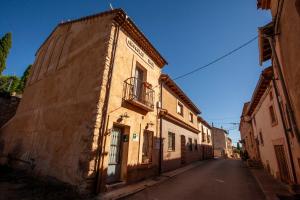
{"type": "Point", "coordinates": [219, 139]}
{"type": "Point", "coordinates": [55, 123]}
{"type": "Point", "coordinates": [8, 107]}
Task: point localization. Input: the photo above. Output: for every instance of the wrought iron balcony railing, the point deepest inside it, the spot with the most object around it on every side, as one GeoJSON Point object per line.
{"type": "Point", "coordinates": [139, 93]}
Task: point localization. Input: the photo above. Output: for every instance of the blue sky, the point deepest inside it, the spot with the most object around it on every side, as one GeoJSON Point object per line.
{"type": "Point", "coordinates": [188, 34]}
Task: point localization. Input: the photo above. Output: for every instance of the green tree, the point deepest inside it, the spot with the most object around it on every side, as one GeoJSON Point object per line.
{"type": "Point", "coordinates": [5, 45]}
{"type": "Point", "coordinates": [24, 79]}
{"type": "Point", "coordinates": [238, 146]}
{"type": "Point", "coordinates": [9, 84]}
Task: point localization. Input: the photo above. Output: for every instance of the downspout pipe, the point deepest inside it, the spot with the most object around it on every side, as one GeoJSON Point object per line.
{"type": "Point", "coordinates": [104, 120]}
{"type": "Point", "coordinates": [160, 133]}
{"type": "Point", "coordinates": [285, 132]}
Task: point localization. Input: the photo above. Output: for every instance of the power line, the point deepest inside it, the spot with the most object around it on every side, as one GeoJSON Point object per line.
{"type": "Point", "coordinates": [217, 59]}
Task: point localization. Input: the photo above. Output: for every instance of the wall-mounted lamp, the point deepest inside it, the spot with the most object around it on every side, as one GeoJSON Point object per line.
{"type": "Point", "coordinates": [149, 124]}
{"type": "Point", "coordinates": [123, 116]}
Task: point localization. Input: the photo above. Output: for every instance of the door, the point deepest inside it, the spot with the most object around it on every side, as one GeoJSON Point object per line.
{"type": "Point", "coordinates": [183, 149]}
{"type": "Point", "coordinates": [114, 162]}
{"type": "Point", "coordinates": [282, 164]}
{"type": "Point", "coordinates": [139, 78]}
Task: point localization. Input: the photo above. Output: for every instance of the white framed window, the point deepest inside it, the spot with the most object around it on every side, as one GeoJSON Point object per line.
{"type": "Point", "coordinates": [179, 108]}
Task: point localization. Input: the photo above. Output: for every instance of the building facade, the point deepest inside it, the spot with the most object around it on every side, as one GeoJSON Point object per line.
{"type": "Point", "coordinates": [88, 116]}
{"type": "Point", "coordinates": [180, 134]}
{"type": "Point", "coordinates": [249, 142]}
{"type": "Point", "coordinates": [205, 137]}
{"type": "Point", "coordinates": [219, 142]}
{"type": "Point", "coordinates": [279, 43]}
{"type": "Point", "coordinates": [269, 129]}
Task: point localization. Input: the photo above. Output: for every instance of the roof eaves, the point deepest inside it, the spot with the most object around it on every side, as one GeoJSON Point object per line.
{"type": "Point", "coordinates": [165, 78]}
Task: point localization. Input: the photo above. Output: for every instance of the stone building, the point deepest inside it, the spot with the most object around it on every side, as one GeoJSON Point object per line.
{"type": "Point", "coordinates": [205, 138]}
{"type": "Point", "coordinates": [180, 134]}
{"type": "Point", "coordinates": [279, 43]}
{"type": "Point", "coordinates": [219, 136]}
{"type": "Point", "coordinates": [247, 137]}
{"type": "Point", "coordinates": [88, 116]}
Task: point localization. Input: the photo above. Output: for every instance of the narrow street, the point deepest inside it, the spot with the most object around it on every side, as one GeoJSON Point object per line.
{"type": "Point", "coordinates": [214, 179]}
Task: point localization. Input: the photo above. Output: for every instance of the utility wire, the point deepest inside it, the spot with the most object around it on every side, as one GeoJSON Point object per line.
{"type": "Point", "coordinates": [217, 59]}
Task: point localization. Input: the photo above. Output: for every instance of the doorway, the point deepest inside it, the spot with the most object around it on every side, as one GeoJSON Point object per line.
{"type": "Point", "coordinates": [183, 149]}
{"type": "Point", "coordinates": [114, 162]}
{"type": "Point", "coordinates": [282, 164]}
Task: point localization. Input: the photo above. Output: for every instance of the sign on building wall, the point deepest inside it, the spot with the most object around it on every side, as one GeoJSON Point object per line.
{"type": "Point", "coordinates": [135, 137]}
{"type": "Point", "coordinates": [139, 52]}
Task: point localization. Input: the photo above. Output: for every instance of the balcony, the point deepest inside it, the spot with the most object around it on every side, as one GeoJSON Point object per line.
{"type": "Point", "coordinates": [138, 93]}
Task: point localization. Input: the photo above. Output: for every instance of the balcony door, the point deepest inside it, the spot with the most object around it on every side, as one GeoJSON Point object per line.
{"type": "Point", "coordinates": [138, 83]}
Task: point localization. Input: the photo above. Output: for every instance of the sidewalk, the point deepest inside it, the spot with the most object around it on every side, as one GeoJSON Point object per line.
{"type": "Point", "coordinates": [270, 186]}
{"type": "Point", "coordinates": [134, 188]}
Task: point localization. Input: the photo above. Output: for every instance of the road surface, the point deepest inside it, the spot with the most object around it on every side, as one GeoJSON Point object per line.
{"type": "Point", "coordinates": [213, 180]}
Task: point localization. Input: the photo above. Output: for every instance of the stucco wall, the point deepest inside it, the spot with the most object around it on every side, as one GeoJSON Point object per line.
{"type": "Point", "coordinates": [172, 159]}
{"type": "Point", "coordinates": [124, 67]}
{"type": "Point", "coordinates": [169, 102]}
{"type": "Point", "coordinates": [288, 48]}
{"type": "Point", "coordinates": [273, 134]}
{"type": "Point", "coordinates": [55, 122]}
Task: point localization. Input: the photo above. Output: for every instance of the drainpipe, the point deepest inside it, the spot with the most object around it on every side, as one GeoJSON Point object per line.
{"type": "Point", "coordinates": [160, 135]}
{"type": "Point", "coordinates": [285, 131]}
{"type": "Point", "coordinates": [104, 120]}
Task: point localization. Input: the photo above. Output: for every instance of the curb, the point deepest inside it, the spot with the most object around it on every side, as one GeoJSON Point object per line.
{"type": "Point", "coordinates": [112, 195]}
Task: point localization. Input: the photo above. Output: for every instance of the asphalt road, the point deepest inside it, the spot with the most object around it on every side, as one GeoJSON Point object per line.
{"type": "Point", "coordinates": [214, 179]}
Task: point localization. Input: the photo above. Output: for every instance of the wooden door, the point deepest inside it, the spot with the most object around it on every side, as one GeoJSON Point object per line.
{"type": "Point", "coordinates": [114, 163]}
{"type": "Point", "coordinates": [183, 149]}
{"type": "Point", "coordinates": [282, 163]}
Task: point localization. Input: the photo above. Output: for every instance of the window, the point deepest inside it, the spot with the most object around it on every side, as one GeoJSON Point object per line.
{"type": "Point", "coordinates": [147, 146]}
{"type": "Point", "coordinates": [271, 95]}
{"type": "Point", "coordinates": [208, 138]}
{"type": "Point", "coordinates": [272, 115]}
{"type": "Point", "coordinates": [196, 145]}
{"type": "Point", "coordinates": [297, 5]}
{"type": "Point", "coordinates": [179, 108]}
{"type": "Point", "coordinates": [171, 141]}
{"type": "Point", "coordinates": [261, 138]}
{"type": "Point", "coordinates": [191, 117]}
{"type": "Point", "coordinates": [202, 134]}
{"type": "Point", "coordinates": [190, 144]}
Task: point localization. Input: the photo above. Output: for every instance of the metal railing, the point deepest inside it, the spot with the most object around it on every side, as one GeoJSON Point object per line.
{"type": "Point", "coordinates": [139, 91]}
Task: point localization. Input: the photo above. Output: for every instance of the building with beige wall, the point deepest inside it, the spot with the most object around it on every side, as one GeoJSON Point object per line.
{"type": "Point", "coordinates": [268, 128]}
{"type": "Point", "coordinates": [180, 134]}
{"type": "Point", "coordinates": [248, 140]}
{"type": "Point", "coordinates": [88, 116]}
{"type": "Point", "coordinates": [205, 138]}
{"type": "Point", "coordinates": [279, 42]}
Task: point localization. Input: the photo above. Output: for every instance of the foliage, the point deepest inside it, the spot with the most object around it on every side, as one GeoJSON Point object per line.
{"type": "Point", "coordinates": [238, 146]}
{"type": "Point", "coordinates": [5, 45]}
{"type": "Point", "coordinates": [23, 79]}
{"type": "Point", "coordinates": [9, 84]}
